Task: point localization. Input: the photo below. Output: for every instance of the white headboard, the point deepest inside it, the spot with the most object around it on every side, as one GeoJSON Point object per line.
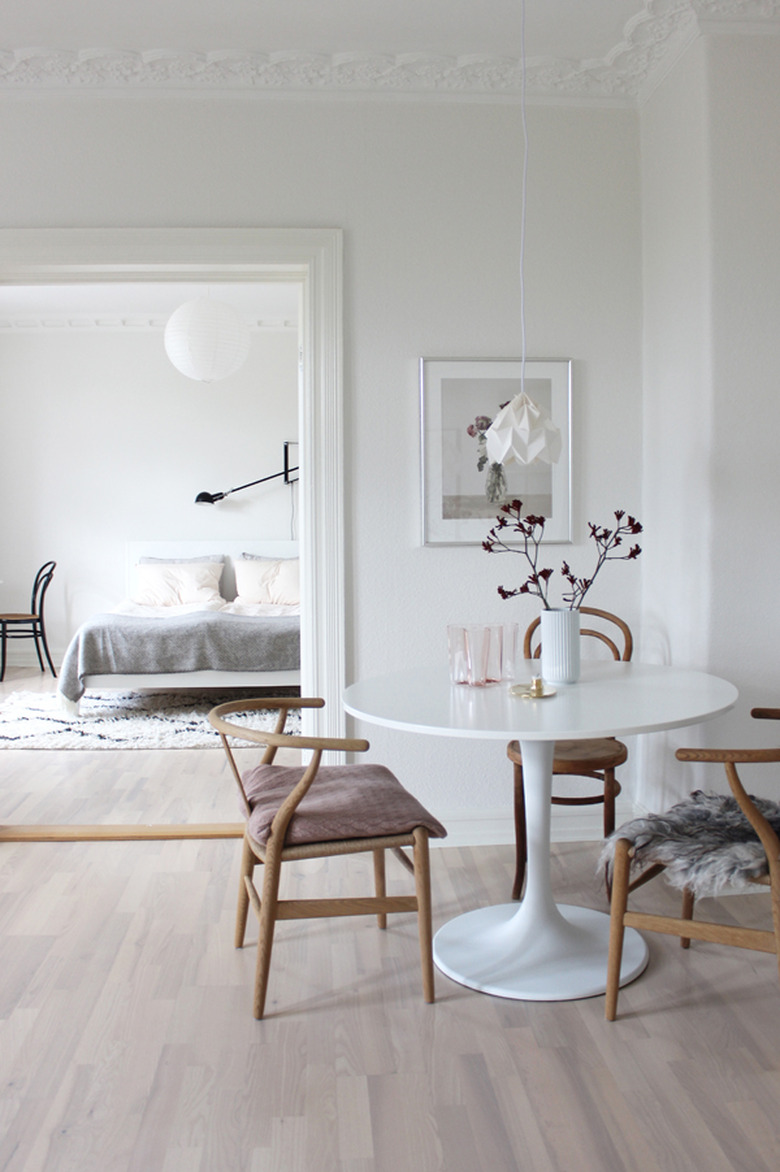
{"type": "Point", "coordinates": [230, 550]}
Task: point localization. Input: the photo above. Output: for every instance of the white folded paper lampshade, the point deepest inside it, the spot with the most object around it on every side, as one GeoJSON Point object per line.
{"type": "Point", "coordinates": [206, 340]}
{"type": "Point", "coordinates": [523, 433]}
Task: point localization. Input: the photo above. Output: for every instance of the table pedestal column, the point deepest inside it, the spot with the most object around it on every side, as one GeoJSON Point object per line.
{"type": "Point", "coordinates": [537, 950]}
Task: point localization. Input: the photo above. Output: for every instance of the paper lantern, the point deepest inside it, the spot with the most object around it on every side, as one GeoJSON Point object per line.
{"type": "Point", "coordinates": [206, 340]}
{"type": "Point", "coordinates": [523, 433]}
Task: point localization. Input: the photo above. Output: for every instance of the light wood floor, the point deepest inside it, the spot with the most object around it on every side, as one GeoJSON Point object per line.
{"type": "Point", "coordinates": [127, 1042]}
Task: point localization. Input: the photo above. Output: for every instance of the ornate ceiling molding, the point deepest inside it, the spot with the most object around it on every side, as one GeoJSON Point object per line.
{"type": "Point", "coordinates": [653, 41]}
{"type": "Point", "coordinates": [740, 10]}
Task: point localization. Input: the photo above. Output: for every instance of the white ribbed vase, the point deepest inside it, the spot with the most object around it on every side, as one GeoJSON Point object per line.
{"type": "Point", "coordinates": [560, 646]}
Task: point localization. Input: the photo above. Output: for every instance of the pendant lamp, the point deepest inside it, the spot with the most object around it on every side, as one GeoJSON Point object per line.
{"type": "Point", "coordinates": [523, 432]}
{"type": "Point", "coordinates": [206, 340]}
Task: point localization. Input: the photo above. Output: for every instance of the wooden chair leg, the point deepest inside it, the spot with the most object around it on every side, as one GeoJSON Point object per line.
{"type": "Point", "coordinates": [422, 879]}
{"type": "Point", "coordinates": [46, 651]}
{"type": "Point", "coordinates": [775, 897]}
{"type": "Point", "coordinates": [37, 640]}
{"type": "Point", "coordinates": [380, 886]}
{"type": "Point", "coordinates": [248, 862]}
{"type": "Point", "coordinates": [267, 922]}
{"type": "Point", "coordinates": [609, 801]}
{"type": "Point", "coordinates": [686, 913]}
{"type": "Point", "coordinates": [521, 844]}
{"type": "Point", "coordinates": [609, 818]}
{"type": "Point", "coordinates": [620, 868]}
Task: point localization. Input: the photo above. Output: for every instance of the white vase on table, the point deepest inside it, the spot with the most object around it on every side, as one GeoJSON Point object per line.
{"type": "Point", "coordinates": [560, 646]}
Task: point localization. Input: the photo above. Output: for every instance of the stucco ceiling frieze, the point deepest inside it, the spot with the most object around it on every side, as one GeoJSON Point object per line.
{"type": "Point", "coordinates": [652, 41]}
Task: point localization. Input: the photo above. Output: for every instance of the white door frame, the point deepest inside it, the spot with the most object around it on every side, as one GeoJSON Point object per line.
{"type": "Point", "coordinates": [309, 256]}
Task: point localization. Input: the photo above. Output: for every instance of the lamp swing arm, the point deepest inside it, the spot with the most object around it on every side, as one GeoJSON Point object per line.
{"type": "Point", "coordinates": [210, 498]}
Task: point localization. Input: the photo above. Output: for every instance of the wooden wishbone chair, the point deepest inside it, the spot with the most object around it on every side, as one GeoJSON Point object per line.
{"type": "Point", "coordinates": [313, 811]}
{"type": "Point", "coordinates": [595, 759]}
{"type": "Point", "coordinates": [764, 872]}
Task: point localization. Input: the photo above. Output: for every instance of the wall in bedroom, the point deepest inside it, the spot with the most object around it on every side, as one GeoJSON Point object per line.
{"type": "Point", "coordinates": [111, 444]}
{"type": "Point", "coordinates": [428, 194]}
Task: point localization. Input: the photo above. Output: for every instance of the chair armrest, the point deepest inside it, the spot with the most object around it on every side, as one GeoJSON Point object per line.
{"type": "Point", "coordinates": [730, 758]}
{"type": "Point", "coordinates": [258, 704]}
{"type": "Point", "coordinates": [734, 756]}
{"type": "Point", "coordinates": [279, 740]}
{"type": "Point", "coordinates": [765, 713]}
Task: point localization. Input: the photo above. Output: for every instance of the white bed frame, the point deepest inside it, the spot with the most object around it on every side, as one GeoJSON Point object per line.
{"type": "Point", "coordinates": [189, 680]}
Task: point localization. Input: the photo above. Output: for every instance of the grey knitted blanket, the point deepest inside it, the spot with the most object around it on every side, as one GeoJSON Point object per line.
{"type": "Point", "coordinates": [705, 842]}
{"type": "Point", "coordinates": [114, 644]}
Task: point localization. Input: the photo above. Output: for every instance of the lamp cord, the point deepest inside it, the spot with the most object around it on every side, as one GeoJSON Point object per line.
{"type": "Point", "coordinates": [524, 192]}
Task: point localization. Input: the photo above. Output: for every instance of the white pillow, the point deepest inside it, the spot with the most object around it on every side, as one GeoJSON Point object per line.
{"type": "Point", "coordinates": [174, 583]}
{"type": "Point", "coordinates": [261, 579]}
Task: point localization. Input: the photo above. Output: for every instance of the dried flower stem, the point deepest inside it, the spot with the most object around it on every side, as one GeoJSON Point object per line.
{"type": "Point", "coordinates": [531, 529]}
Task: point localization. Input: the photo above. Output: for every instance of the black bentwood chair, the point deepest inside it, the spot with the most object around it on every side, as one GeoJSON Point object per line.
{"type": "Point", "coordinates": [30, 625]}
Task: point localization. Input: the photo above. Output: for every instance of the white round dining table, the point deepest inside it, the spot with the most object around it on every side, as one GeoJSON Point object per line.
{"type": "Point", "coordinates": [537, 950]}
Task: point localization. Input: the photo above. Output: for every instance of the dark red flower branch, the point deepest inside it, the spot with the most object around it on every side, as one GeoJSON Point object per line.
{"type": "Point", "coordinates": [531, 530]}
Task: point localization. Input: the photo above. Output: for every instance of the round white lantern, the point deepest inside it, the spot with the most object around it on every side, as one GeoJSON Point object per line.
{"type": "Point", "coordinates": [206, 340]}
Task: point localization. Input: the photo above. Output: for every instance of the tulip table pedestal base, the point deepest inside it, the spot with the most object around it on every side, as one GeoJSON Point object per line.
{"type": "Point", "coordinates": [499, 950]}
{"type": "Point", "coordinates": [537, 950]}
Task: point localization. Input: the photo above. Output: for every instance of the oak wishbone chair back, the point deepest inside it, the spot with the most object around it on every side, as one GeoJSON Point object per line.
{"type": "Point", "coordinates": [316, 811]}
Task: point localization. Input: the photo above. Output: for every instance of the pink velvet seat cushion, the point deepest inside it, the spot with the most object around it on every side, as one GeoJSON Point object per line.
{"type": "Point", "coordinates": [344, 801]}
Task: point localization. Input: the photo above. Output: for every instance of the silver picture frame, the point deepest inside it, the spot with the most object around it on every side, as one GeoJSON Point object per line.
{"type": "Point", "coordinates": [461, 492]}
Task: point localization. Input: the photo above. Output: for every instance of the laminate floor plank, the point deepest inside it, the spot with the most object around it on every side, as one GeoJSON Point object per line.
{"type": "Point", "coordinates": [127, 1042]}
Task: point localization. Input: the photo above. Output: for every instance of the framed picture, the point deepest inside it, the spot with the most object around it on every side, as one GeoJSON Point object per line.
{"type": "Point", "coordinates": [461, 491]}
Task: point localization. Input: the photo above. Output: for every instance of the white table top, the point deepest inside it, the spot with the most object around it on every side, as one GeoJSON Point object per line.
{"type": "Point", "coordinates": [610, 699]}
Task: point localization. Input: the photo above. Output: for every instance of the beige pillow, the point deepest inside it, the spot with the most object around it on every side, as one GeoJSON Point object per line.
{"type": "Point", "coordinates": [274, 580]}
{"type": "Point", "coordinates": [174, 583]}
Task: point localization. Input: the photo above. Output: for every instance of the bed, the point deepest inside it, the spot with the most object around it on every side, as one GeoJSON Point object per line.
{"type": "Point", "coordinates": [197, 615]}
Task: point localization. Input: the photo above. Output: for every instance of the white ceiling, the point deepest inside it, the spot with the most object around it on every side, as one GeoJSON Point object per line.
{"type": "Point", "coordinates": [605, 51]}
{"type": "Point", "coordinates": [554, 28]}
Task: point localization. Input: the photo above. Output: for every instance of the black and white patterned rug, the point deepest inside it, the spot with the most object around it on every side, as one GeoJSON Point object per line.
{"type": "Point", "coordinates": [122, 720]}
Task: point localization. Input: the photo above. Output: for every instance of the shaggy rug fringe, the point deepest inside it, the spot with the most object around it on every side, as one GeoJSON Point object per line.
{"type": "Point", "coordinates": [122, 720]}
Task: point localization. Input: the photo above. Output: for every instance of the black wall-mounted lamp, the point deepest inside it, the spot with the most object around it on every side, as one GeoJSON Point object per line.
{"type": "Point", "coordinates": [211, 498]}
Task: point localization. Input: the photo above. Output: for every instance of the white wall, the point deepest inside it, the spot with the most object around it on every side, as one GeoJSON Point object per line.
{"type": "Point", "coordinates": [428, 195]}
{"type": "Point", "coordinates": [711, 167]}
{"type": "Point", "coordinates": [111, 444]}
{"type": "Point", "coordinates": [462, 300]}
{"type": "Point", "coordinates": [677, 412]}
{"type": "Point", "coordinates": [744, 75]}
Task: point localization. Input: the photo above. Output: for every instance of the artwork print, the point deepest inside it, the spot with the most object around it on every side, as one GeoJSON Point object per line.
{"type": "Point", "coordinates": [462, 490]}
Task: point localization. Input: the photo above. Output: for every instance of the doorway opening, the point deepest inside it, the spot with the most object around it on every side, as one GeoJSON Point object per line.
{"type": "Point", "coordinates": [310, 259]}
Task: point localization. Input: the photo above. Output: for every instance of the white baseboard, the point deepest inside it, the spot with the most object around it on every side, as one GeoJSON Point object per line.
{"type": "Point", "coordinates": [496, 827]}
{"type": "Point", "coordinates": [23, 655]}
